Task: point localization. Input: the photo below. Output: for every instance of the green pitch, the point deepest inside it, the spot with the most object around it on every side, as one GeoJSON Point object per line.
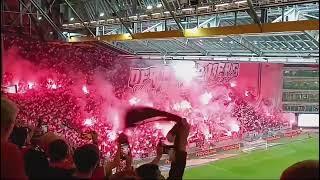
{"type": "Point", "coordinates": [263, 164]}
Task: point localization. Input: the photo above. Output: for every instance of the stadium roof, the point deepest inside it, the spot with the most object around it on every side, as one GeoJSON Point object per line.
{"type": "Point", "coordinates": [252, 29]}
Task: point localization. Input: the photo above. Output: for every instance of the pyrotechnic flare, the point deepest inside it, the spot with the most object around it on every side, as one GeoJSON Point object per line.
{"type": "Point", "coordinates": [88, 122]}
{"type": "Point", "coordinates": [205, 98]}
{"type": "Point", "coordinates": [85, 89]}
{"type": "Point", "coordinates": [185, 70]}
{"type": "Point", "coordinates": [233, 84]}
{"type": "Point", "coordinates": [134, 101]}
{"type": "Point", "coordinates": [30, 85]}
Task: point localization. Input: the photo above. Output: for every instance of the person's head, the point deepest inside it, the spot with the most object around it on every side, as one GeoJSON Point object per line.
{"type": "Point", "coordinates": [19, 136]}
{"type": "Point", "coordinates": [58, 150]}
{"type": "Point", "coordinates": [8, 117]}
{"type": "Point", "coordinates": [308, 169]}
{"type": "Point", "coordinates": [149, 171]}
{"type": "Point", "coordinates": [86, 158]}
{"type": "Point", "coordinates": [124, 175]}
{"type": "Point", "coordinates": [36, 164]}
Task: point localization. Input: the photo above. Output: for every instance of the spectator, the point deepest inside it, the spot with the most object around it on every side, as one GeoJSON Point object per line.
{"type": "Point", "coordinates": [99, 172]}
{"type": "Point", "coordinates": [306, 170]}
{"type": "Point", "coordinates": [151, 171]}
{"type": "Point", "coordinates": [60, 167]}
{"type": "Point", "coordinates": [36, 164]}
{"type": "Point", "coordinates": [58, 152]}
{"type": "Point", "coordinates": [19, 136]}
{"type": "Point", "coordinates": [37, 133]}
{"type": "Point", "coordinates": [122, 162]}
{"type": "Point", "coordinates": [86, 159]}
{"type": "Point", "coordinates": [12, 166]}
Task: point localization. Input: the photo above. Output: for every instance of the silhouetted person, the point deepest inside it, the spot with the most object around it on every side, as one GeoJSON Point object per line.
{"type": "Point", "coordinates": [304, 170]}
{"type": "Point", "coordinates": [58, 152]}
{"type": "Point", "coordinates": [36, 164]}
{"type": "Point", "coordinates": [86, 159]}
{"type": "Point", "coordinates": [19, 136]}
{"type": "Point", "coordinates": [149, 171]}
{"type": "Point", "coordinates": [12, 166]}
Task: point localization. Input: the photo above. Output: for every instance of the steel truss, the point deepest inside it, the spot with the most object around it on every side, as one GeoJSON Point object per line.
{"type": "Point", "coordinates": [27, 14]}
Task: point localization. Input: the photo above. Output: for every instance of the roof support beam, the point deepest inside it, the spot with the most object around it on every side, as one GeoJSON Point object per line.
{"type": "Point", "coordinates": [314, 36]}
{"type": "Point", "coordinates": [5, 7]}
{"type": "Point", "coordinates": [24, 10]}
{"type": "Point", "coordinates": [155, 47]}
{"type": "Point", "coordinates": [293, 26]}
{"type": "Point", "coordinates": [254, 29]}
{"type": "Point", "coordinates": [246, 44]}
{"type": "Point", "coordinates": [43, 13]}
{"type": "Point", "coordinates": [292, 15]}
{"type": "Point", "coordinates": [75, 12]}
{"type": "Point", "coordinates": [192, 45]}
{"type": "Point", "coordinates": [310, 16]}
{"type": "Point", "coordinates": [215, 19]}
{"type": "Point", "coordinates": [31, 16]}
{"type": "Point", "coordinates": [253, 13]}
{"type": "Point", "coordinates": [283, 60]}
{"type": "Point", "coordinates": [47, 18]}
{"type": "Point", "coordinates": [166, 5]}
{"type": "Point", "coordinates": [51, 4]}
{"type": "Point", "coordinates": [116, 45]}
{"type": "Point", "coordinates": [110, 32]}
{"type": "Point", "coordinates": [152, 27]}
{"type": "Point", "coordinates": [196, 47]}
{"type": "Point", "coordinates": [88, 9]}
{"type": "Point", "coordinates": [118, 16]}
{"type": "Point", "coordinates": [123, 46]}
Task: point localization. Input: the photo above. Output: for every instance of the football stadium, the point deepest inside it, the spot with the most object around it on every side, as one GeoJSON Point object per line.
{"type": "Point", "coordinates": [160, 89]}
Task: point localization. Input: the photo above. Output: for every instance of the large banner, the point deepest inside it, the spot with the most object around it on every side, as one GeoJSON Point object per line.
{"type": "Point", "coordinates": [211, 72]}
{"type": "Point", "coordinates": [263, 82]}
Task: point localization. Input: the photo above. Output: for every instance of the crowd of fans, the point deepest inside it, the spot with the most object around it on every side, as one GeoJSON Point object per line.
{"type": "Point", "coordinates": [26, 154]}
{"type": "Point", "coordinates": [61, 141]}
{"type": "Point", "coordinates": [55, 103]}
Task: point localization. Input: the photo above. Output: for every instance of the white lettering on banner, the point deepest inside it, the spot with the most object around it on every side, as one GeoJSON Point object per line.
{"type": "Point", "coordinates": [219, 71]}
{"type": "Point", "coordinates": [161, 76]}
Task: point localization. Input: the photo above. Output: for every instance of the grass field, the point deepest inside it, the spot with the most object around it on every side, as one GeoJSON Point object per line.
{"type": "Point", "coordinates": [263, 164]}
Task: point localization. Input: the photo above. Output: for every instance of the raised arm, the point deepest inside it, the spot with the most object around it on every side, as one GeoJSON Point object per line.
{"type": "Point", "coordinates": [158, 155]}
{"type": "Point", "coordinates": [178, 164]}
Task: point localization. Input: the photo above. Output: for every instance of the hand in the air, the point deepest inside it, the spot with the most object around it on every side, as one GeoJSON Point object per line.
{"type": "Point", "coordinates": [183, 129]}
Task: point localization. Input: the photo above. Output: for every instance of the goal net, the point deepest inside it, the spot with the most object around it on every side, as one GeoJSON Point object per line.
{"type": "Point", "coordinates": [254, 145]}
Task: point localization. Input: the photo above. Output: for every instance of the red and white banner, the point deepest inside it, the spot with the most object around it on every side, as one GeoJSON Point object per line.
{"type": "Point", "coordinates": [261, 81]}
